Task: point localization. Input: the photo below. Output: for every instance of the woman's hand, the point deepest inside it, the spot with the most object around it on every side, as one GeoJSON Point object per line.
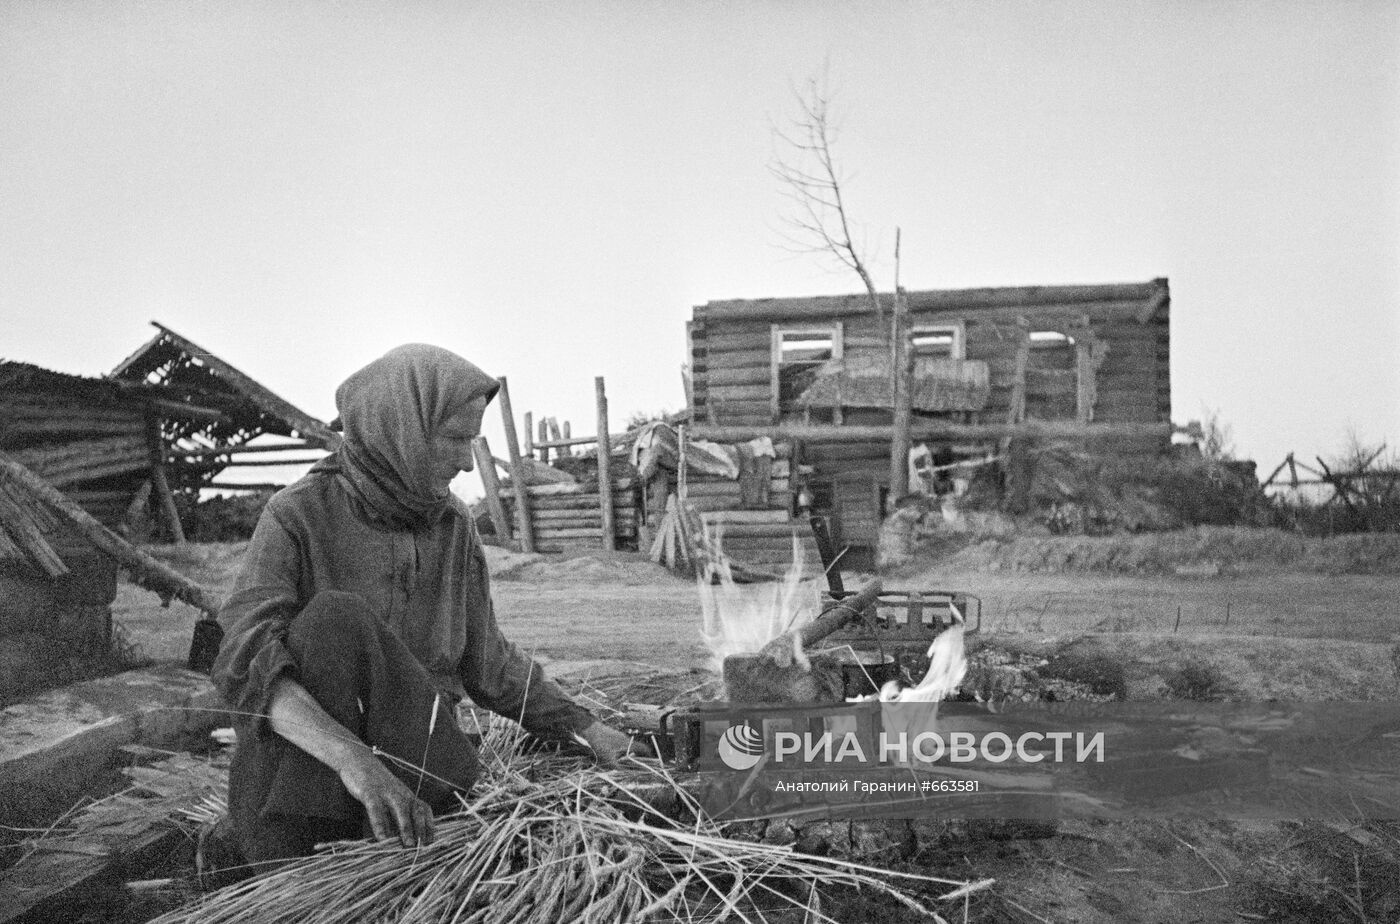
{"type": "Point", "coordinates": [611, 745]}
{"type": "Point", "coordinates": [392, 808]}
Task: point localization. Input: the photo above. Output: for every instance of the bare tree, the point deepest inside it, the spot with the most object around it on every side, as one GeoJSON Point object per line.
{"type": "Point", "coordinates": [819, 223]}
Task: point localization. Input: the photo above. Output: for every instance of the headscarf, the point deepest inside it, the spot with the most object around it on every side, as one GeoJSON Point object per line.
{"type": "Point", "coordinates": [389, 411]}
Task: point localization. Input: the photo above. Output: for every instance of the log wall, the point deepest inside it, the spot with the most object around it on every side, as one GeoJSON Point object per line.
{"type": "Point", "coordinates": [731, 370]}
{"type": "Point", "coordinates": [1127, 325]}
{"type": "Point", "coordinates": [565, 517]}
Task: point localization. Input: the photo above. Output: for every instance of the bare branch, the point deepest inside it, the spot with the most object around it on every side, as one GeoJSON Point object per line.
{"type": "Point", "coordinates": [818, 220]}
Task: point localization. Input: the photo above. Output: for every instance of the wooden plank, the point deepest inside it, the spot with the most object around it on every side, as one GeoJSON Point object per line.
{"type": "Point", "coordinates": [146, 571]}
{"type": "Point", "coordinates": [1130, 297]}
{"type": "Point", "coordinates": [925, 430]}
{"type": "Point", "coordinates": [605, 485]}
{"type": "Point", "coordinates": [486, 466]}
{"type": "Point", "coordinates": [771, 549]}
{"type": "Point", "coordinates": [156, 450]}
{"type": "Point", "coordinates": [734, 394]}
{"type": "Point", "coordinates": [765, 530]}
{"type": "Point", "coordinates": [621, 501]}
{"type": "Point", "coordinates": [620, 484]}
{"type": "Point", "coordinates": [739, 360]}
{"type": "Point", "coordinates": [748, 516]}
{"type": "Point", "coordinates": [81, 878]}
{"type": "Point", "coordinates": [737, 337]}
{"type": "Point", "coordinates": [721, 380]}
{"type": "Point", "coordinates": [731, 488]}
{"type": "Point", "coordinates": [25, 406]}
{"type": "Point", "coordinates": [591, 535]}
{"type": "Point", "coordinates": [552, 518]}
{"type": "Point", "coordinates": [564, 532]}
{"type": "Point", "coordinates": [203, 452]}
{"type": "Point", "coordinates": [819, 453]}
{"type": "Point", "coordinates": [565, 440]}
{"type": "Point", "coordinates": [705, 504]}
{"type": "Point", "coordinates": [741, 420]}
{"type": "Point", "coordinates": [1123, 354]}
{"type": "Point", "coordinates": [730, 405]}
{"type": "Point", "coordinates": [517, 471]}
{"type": "Point", "coordinates": [19, 518]}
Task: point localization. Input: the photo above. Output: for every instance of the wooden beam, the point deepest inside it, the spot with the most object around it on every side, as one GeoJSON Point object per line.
{"type": "Point", "coordinates": [528, 449]}
{"type": "Point", "coordinates": [155, 445]}
{"type": "Point", "coordinates": [19, 520]}
{"type": "Point", "coordinates": [1339, 487]}
{"type": "Point", "coordinates": [929, 430]}
{"type": "Point", "coordinates": [485, 464]}
{"type": "Point", "coordinates": [517, 472]}
{"type": "Point", "coordinates": [145, 570]}
{"type": "Point", "coordinates": [179, 410]}
{"type": "Point", "coordinates": [605, 486]}
{"type": "Point", "coordinates": [1016, 411]}
{"type": "Point", "coordinates": [241, 486]}
{"type": "Point", "coordinates": [177, 453]}
{"type": "Point", "coordinates": [209, 464]}
{"type": "Point", "coordinates": [1131, 298]}
{"type": "Point", "coordinates": [566, 441]}
{"type": "Point", "coordinates": [902, 372]}
{"type": "Point", "coordinates": [555, 434]}
{"type": "Point", "coordinates": [1085, 382]}
{"type": "Point", "coordinates": [136, 509]}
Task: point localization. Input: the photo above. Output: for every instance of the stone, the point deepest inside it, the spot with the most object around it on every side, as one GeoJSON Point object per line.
{"type": "Point", "coordinates": [826, 838]}
{"type": "Point", "coordinates": [882, 839]}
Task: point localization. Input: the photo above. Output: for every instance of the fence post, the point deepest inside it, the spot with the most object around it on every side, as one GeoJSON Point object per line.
{"type": "Point", "coordinates": [605, 494]}
{"type": "Point", "coordinates": [517, 473]}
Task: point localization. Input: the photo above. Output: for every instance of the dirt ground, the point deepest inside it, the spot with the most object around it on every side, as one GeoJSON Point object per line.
{"type": "Point", "coordinates": [1268, 634]}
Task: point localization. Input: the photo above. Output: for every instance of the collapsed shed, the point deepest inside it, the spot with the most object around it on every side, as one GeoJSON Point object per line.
{"type": "Point", "coordinates": [172, 416]}
{"type": "Point", "coordinates": [81, 460]}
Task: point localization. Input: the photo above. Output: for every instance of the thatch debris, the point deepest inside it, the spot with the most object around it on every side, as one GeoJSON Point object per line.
{"type": "Point", "coordinates": [550, 840]}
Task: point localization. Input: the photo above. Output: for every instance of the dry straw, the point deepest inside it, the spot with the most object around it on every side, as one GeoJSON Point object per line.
{"type": "Point", "coordinates": [550, 840]}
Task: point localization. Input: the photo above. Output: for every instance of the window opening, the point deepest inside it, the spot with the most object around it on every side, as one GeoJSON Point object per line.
{"type": "Point", "coordinates": [1051, 376]}
{"type": "Point", "coordinates": [1050, 339]}
{"type": "Point", "coordinates": [798, 355]}
{"type": "Point", "coordinates": [946, 342]}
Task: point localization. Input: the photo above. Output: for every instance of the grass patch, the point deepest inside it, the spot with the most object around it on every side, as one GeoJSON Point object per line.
{"type": "Point", "coordinates": [1237, 549]}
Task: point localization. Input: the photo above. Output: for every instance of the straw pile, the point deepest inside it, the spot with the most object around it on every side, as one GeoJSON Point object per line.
{"type": "Point", "coordinates": [548, 840]}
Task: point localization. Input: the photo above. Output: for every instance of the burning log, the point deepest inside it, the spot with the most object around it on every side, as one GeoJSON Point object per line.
{"type": "Point", "coordinates": [782, 672]}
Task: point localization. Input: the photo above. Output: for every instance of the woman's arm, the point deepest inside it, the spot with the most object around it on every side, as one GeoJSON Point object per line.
{"type": "Point", "coordinates": [392, 808]}
{"type": "Point", "coordinates": [255, 673]}
{"type": "Point", "coordinates": [502, 678]}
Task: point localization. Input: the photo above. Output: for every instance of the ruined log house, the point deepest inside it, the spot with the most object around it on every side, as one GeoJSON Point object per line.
{"type": "Point", "coordinates": [994, 370]}
{"type": "Point", "coordinates": [170, 417]}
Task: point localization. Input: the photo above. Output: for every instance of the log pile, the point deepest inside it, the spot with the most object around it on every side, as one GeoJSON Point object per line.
{"type": "Point", "coordinates": [31, 510]}
{"type": "Point", "coordinates": [569, 517]}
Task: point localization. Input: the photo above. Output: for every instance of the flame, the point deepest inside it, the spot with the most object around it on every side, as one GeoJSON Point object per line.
{"type": "Point", "coordinates": [947, 666]}
{"type": "Point", "coordinates": [742, 618]}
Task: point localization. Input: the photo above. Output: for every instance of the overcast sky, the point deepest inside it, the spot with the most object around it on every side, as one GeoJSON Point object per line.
{"type": "Point", "coordinates": [549, 188]}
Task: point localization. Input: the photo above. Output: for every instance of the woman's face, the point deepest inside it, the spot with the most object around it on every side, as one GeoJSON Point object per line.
{"type": "Point", "coordinates": [451, 443]}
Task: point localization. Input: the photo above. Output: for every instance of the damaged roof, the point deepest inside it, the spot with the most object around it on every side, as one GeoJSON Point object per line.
{"type": "Point", "coordinates": [1144, 300]}
{"type": "Point", "coordinates": [189, 372]}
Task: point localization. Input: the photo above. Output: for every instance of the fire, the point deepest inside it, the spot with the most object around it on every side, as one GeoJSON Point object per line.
{"type": "Point", "coordinates": [947, 667]}
{"type": "Point", "coordinates": [742, 618]}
